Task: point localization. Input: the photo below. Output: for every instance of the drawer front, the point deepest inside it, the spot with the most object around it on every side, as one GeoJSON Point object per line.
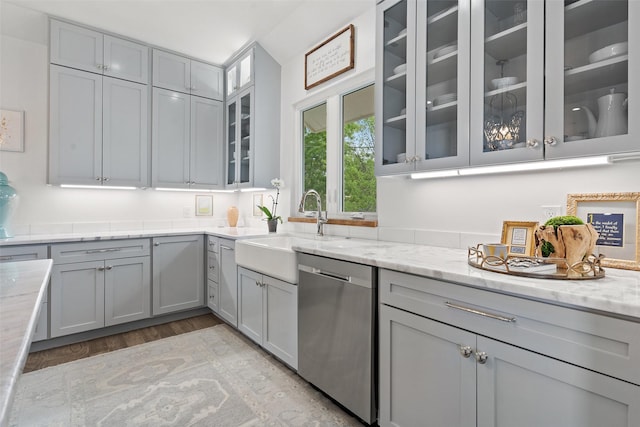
{"type": "Point", "coordinates": [212, 244]}
{"type": "Point", "coordinates": [594, 341]}
{"type": "Point", "coordinates": [22, 253]}
{"type": "Point", "coordinates": [64, 253]}
{"type": "Point", "coordinates": [213, 267]}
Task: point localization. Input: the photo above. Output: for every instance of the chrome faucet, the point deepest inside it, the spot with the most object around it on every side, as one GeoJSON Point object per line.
{"type": "Point", "coordinates": [321, 220]}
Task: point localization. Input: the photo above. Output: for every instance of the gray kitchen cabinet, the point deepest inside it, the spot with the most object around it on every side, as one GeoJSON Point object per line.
{"type": "Point", "coordinates": [85, 49]}
{"type": "Point", "coordinates": [187, 141]}
{"type": "Point", "coordinates": [26, 253]}
{"type": "Point", "coordinates": [181, 74]}
{"type": "Point", "coordinates": [98, 129]}
{"type": "Point", "coordinates": [98, 284]}
{"type": "Point", "coordinates": [252, 156]}
{"type": "Point", "coordinates": [178, 273]}
{"type": "Point", "coordinates": [463, 356]}
{"type": "Point", "coordinates": [213, 273]}
{"type": "Point", "coordinates": [240, 73]}
{"type": "Point", "coordinates": [228, 285]}
{"type": "Point", "coordinates": [268, 314]}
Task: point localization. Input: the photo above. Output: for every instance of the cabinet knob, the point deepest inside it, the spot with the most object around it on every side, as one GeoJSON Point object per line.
{"type": "Point", "coordinates": [211, 267]}
{"type": "Point", "coordinates": [109, 267]}
{"type": "Point", "coordinates": [100, 66]}
{"type": "Point", "coordinates": [106, 179]}
{"type": "Point", "coordinates": [156, 244]}
{"type": "Point", "coordinates": [98, 178]}
{"type": "Point", "coordinates": [466, 351]}
{"type": "Point", "coordinates": [550, 140]}
{"type": "Point", "coordinates": [532, 143]}
{"type": "Point", "coordinates": [194, 88]}
{"type": "Point", "coordinates": [481, 357]}
{"type": "Point", "coordinates": [100, 269]}
{"type": "Point", "coordinates": [106, 67]}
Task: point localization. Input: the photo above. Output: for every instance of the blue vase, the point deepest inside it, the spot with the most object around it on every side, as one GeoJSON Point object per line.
{"type": "Point", "coordinates": [8, 198]}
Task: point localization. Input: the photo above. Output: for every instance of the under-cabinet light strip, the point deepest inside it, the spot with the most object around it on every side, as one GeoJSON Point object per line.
{"type": "Point", "coordinates": [516, 167]}
{"type": "Point", "coordinates": [194, 190]}
{"type": "Point", "coordinates": [97, 187]}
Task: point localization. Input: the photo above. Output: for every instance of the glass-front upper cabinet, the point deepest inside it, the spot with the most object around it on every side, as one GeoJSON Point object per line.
{"type": "Point", "coordinates": [240, 73]}
{"type": "Point", "coordinates": [507, 81]}
{"type": "Point", "coordinates": [240, 140]}
{"type": "Point", "coordinates": [442, 84]}
{"type": "Point", "coordinates": [395, 86]}
{"type": "Point", "coordinates": [592, 51]}
{"type": "Point", "coordinates": [422, 85]}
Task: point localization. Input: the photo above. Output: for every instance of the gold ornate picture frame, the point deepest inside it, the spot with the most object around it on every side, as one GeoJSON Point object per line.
{"type": "Point", "coordinates": [616, 217]}
{"type": "Point", "coordinates": [520, 237]}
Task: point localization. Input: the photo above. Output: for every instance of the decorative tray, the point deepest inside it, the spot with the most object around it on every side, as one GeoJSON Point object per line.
{"type": "Point", "coordinates": [541, 268]}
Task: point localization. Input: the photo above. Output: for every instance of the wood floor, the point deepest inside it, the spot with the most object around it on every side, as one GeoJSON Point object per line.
{"type": "Point", "coordinates": [68, 353]}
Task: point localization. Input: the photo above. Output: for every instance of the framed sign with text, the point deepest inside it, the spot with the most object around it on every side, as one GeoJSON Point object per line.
{"type": "Point", "coordinates": [616, 218]}
{"type": "Point", "coordinates": [330, 59]}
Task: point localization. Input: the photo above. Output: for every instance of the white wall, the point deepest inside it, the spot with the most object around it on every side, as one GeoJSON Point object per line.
{"type": "Point", "coordinates": [24, 86]}
{"type": "Point", "coordinates": [454, 212]}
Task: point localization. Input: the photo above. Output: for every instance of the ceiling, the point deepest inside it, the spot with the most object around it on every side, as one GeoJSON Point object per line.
{"type": "Point", "coordinates": [212, 30]}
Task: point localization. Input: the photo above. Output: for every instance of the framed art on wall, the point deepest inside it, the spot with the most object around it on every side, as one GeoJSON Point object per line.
{"type": "Point", "coordinates": [616, 218]}
{"type": "Point", "coordinates": [204, 205]}
{"type": "Point", "coordinates": [11, 130]}
{"type": "Point", "coordinates": [330, 59]}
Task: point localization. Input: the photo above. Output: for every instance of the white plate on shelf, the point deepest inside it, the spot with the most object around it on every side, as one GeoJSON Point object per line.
{"type": "Point", "coordinates": [445, 99]}
{"type": "Point", "coordinates": [445, 51]}
{"type": "Point", "coordinates": [610, 51]}
{"type": "Point", "coordinates": [400, 69]}
{"type": "Point", "coordinates": [402, 32]}
{"type": "Point", "coordinates": [503, 82]}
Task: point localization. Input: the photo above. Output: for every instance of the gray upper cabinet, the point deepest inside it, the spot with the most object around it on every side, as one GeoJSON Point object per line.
{"type": "Point", "coordinates": [252, 147]}
{"type": "Point", "coordinates": [98, 129]}
{"type": "Point", "coordinates": [240, 73]}
{"type": "Point", "coordinates": [422, 85]}
{"type": "Point", "coordinates": [187, 141]}
{"type": "Point", "coordinates": [175, 72]}
{"type": "Point", "coordinates": [85, 49]}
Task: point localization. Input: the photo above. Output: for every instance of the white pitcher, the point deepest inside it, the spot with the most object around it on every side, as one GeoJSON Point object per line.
{"type": "Point", "coordinates": [612, 115]}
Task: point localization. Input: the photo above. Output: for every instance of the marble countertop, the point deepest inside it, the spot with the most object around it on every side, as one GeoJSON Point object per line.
{"type": "Point", "coordinates": [22, 287]}
{"type": "Point", "coordinates": [226, 232]}
{"type": "Point", "coordinates": [617, 293]}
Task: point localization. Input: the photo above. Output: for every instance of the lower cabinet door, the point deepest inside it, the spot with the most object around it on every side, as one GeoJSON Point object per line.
{"type": "Point", "coordinates": [520, 388]}
{"type": "Point", "coordinates": [127, 293]}
{"type": "Point", "coordinates": [212, 296]}
{"type": "Point", "coordinates": [178, 273]}
{"type": "Point", "coordinates": [424, 378]}
{"type": "Point", "coordinates": [77, 297]}
{"type": "Point", "coordinates": [250, 312]}
{"type": "Point", "coordinates": [280, 329]}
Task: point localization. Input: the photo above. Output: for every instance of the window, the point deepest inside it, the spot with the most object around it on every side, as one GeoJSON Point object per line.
{"type": "Point", "coordinates": [338, 137]}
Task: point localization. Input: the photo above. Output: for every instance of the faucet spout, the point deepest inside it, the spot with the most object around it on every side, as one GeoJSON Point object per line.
{"type": "Point", "coordinates": [320, 219]}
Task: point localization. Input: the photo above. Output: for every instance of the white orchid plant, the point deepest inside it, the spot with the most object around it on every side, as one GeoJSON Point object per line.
{"type": "Point", "coordinates": [277, 183]}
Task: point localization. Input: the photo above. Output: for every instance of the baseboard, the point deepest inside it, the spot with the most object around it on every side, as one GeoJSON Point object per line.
{"type": "Point", "coordinates": [117, 329]}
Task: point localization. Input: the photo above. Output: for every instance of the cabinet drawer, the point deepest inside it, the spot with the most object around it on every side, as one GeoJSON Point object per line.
{"type": "Point", "coordinates": [22, 253]}
{"type": "Point", "coordinates": [594, 341]}
{"type": "Point", "coordinates": [213, 266]}
{"type": "Point", "coordinates": [64, 253]}
{"type": "Point", "coordinates": [212, 244]}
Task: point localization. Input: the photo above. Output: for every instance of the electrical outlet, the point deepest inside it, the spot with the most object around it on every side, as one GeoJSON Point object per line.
{"type": "Point", "coordinates": [550, 211]}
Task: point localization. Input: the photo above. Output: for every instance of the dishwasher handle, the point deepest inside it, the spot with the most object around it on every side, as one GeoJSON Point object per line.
{"type": "Point", "coordinates": [331, 275]}
{"type": "Point", "coordinates": [352, 280]}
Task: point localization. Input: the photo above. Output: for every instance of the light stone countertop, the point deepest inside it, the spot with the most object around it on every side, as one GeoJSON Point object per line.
{"type": "Point", "coordinates": [617, 293]}
{"type": "Point", "coordinates": [226, 232]}
{"type": "Point", "coordinates": [22, 288]}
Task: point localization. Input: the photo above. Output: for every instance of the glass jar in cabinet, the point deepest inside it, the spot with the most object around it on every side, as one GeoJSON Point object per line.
{"type": "Point", "coordinates": [591, 92]}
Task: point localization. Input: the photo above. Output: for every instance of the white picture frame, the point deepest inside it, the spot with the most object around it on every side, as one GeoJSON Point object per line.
{"type": "Point", "coordinates": [11, 130]}
{"type": "Point", "coordinates": [204, 205]}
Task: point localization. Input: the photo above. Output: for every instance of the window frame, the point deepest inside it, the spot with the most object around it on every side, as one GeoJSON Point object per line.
{"type": "Point", "coordinates": [333, 97]}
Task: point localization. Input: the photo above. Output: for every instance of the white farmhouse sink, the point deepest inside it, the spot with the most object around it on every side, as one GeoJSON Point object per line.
{"type": "Point", "coordinates": [273, 256]}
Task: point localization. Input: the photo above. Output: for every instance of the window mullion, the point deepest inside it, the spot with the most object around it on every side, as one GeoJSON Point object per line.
{"type": "Point", "coordinates": [334, 157]}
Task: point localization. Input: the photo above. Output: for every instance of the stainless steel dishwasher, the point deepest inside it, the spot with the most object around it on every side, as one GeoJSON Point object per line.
{"type": "Point", "coordinates": [337, 331]}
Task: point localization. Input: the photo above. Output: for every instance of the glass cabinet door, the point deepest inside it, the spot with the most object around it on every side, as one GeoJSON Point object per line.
{"type": "Point", "coordinates": [507, 48]}
{"type": "Point", "coordinates": [395, 86]}
{"type": "Point", "coordinates": [442, 84]}
{"type": "Point", "coordinates": [231, 142]}
{"type": "Point", "coordinates": [245, 138]}
{"type": "Point", "coordinates": [589, 96]}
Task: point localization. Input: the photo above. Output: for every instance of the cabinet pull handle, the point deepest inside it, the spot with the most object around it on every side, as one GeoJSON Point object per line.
{"type": "Point", "coordinates": [102, 251]}
{"type": "Point", "coordinates": [480, 313]}
{"type": "Point", "coordinates": [550, 140]}
{"type": "Point", "coordinates": [532, 143]}
{"type": "Point", "coordinates": [481, 357]}
{"type": "Point", "coordinates": [6, 257]}
{"type": "Point", "coordinates": [257, 283]}
{"type": "Point", "coordinates": [226, 247]}
{"type": "Point", "coordinates": [466, 351]}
